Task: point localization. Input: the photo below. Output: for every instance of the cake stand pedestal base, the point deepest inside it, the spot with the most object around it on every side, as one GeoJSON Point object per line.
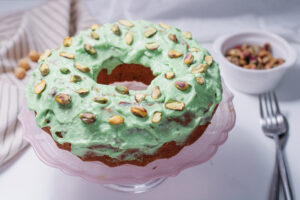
{"type": "Point", "coordinates": [136, 188]}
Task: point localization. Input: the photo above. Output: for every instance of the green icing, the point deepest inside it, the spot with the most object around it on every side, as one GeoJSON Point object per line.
{"type": "Point", "coordinates": [135, 133]}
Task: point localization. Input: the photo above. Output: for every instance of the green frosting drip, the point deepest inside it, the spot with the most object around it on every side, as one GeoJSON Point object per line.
{"type": "Point", "coordinates": [136, 132]}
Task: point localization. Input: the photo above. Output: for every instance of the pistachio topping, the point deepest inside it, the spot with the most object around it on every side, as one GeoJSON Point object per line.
{"type": "Point", "coordinates": [44, 69]}
{"type": "Point", "coordinates": [174, 54]}
{"type": "Point", "coordinates": [152, 45]}
{"type": "Point", "coordinates": [169, 75]}
{"type": "Point", "coordinates": [67, 41]}
{"type": "Point", "coordinates": [181, 85]}
{"type": "Point", "coordinates": [64, 70]}
{"type": "Point", "coordinates": [138, 111]}
{"type": "Point", "coordinates": [82, 91]}
{"type": "Point", "coordinates": [125, 23]}
{"type": "Point", "coordinates": [199, 68]}
{"type": "Point", "coordinates": [187, 35]}
{"type": "Point", "coordinates": [63, 99]}
{"type": "Point", "coordinates": [75, 78]}
{"type": "Point", "coordinates": [194, 49]}
{"type": "Point", "coordinates": [128, 38]}
{"type": "Point", "coordinates": [139, 97]}
{"type": "Point", "coordinates": [156, 117]}
{"type": "Point", "coordinates": [208, 59]}
{"type": "Point", "coordinates": [200, 80]}
{"type": "Point", "coordinates": [116, 29]}
{"type": "Point", "coordinates": [67, 55]}
{"type": "Point", "coordinates": [150, 32]}
{"type": "Point", "coordinates": [94, 35]}
{"type": "Point", "coordinates": [121, 89]}
{"type": "Point", "coordinates": [46, 54]}
{"type": "Point", "coordinates": [87, 118]}
{"type": "Point", "coordinates": [116, 120]}
{"type": "Point", "coordinates": [89, 49]}
{"type": "Point", "coordinates": [40, 87]}
{"type": "Point", "coordinates": [175, 105]}
{"type": "Point", "coordinates": [156, 92]}
{"type": "Point", "coordinates": [188, 59]}
{"type": "Point", "coordinates": [163, 25]}
{"type": "Point", "coordinates": [81, 67]}
{"type": "Point", "coordinates": [173, 37]}
{"type": "Point", "coordinates": [95, 26]}
{"type": "Point", "coordinates": [101, 100]}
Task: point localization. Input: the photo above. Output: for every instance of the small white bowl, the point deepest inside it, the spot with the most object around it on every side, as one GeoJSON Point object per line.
{"type": "Point", "coordinates": [249, 80]}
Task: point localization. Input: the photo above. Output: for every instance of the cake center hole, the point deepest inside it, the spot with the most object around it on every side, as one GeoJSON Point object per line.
{"type": "Point", "coordinates": [133, 76]}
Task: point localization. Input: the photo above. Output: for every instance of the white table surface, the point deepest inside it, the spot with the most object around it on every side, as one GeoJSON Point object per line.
{"type": "Point", "coordinates": [241, 169]}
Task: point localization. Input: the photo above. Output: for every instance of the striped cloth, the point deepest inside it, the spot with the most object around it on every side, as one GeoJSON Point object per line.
{"type": "Point", "coordinates": [40, 28]}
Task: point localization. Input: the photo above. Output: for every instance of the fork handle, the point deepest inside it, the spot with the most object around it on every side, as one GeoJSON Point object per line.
{"type": "Point", "coordinates": [283, 171]}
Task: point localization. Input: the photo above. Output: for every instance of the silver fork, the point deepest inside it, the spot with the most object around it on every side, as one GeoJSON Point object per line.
{"type": "Point", "coordinates": [274, 125]}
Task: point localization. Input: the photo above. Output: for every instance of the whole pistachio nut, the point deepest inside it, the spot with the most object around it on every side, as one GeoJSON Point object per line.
{"type": "Point", "coordinates": [138, 111]}
{"type": "Point", "coordinates": [82, 91]}
{"type": "Point", "coordinates": [169, 75]}
{"type": "Point", "coordinates": [64, 70]}
{"type": "Point", "coordinates": [139, 97]}
{"type": "Point", "coordinates": [181, 85]}
{"type": "Point", "coordinates": [101, 100]}
{"type": "Point", "coordinates": [128, 38]}
{"type": "Point", "coordinates": [94, 35]}
{"type": "Point", "coordinates": [87, 118]}
{"type": "Point", "coordinates": [67, 41]}
{"type": "Point", "coordinates": [116, 120]}
{"type": "Point", "coordinates": [63, 99]}
{"type": "Point", "coordinates": [152, 45]}
{"type": "Point", "coordinates": [156, 92]}
{"type": "Point", "coordinates": [81, 67]}
{"type": "Point", "coordinates": [150, 32]}
{"type": "Point", "coordinates": [44, 69]}
{"type": "Point", "coordinates": [125, 23]}
{"type": "Point", "coordinates": [194, 49]}
{"type": "Point", "coordinates": [187, 35]}
{"type": "Point", "coordinates": [40, 87]}
{"type": "Point", "coordinates": [173, 37]}
{"type": "Point", "coordinates": [121, 89]}
{"type": "Point", "coordinates": [95, 26]}
{"type": "Point", "coordinates": [89, 49]}
{"type": "Point", "coordinates": [200, 80]}
{"type": "Point", "coordinates": [163, 25]}
{"type": "Point", "coordinates": [175, 105]}
{"type": "Point", "coordinates": [199, 68]}
{"type": "Point", "coordinates": [67, 55]}
{"type": "Point", "coordinates": [188, 59]}
{"type": "Point", "coordinates": [46, 54]}
{"type": "Point", "coordinates": [75, 78]}
{"type": "Point", "coordinates": [208, 59]}
{"type": "Point", "coordinates": [174, 54]}
{"type": "Point", "coordinates": [116, 29]}
{"type": "Point", "coordinates": [156, 117]}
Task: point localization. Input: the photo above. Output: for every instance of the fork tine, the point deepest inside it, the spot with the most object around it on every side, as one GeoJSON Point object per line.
{"type": "Point", "coordinates": [276, 103]}
{"type": "Point", "coordinates": [271, 103]}
{"type": "Point", "coordinates": [261, 106]}
{"type": "Point", "coordinates": [267, 105]}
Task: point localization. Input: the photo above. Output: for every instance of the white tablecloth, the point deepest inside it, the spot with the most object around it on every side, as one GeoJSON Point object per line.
{"type": "Point", "coordinates": [242, 167]}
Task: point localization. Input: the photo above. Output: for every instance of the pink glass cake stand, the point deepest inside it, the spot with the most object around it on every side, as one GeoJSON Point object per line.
{"type": "Point", "coordinates": [131, 178]}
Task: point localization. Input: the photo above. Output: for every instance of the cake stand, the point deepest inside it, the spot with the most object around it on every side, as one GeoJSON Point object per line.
{"type": "Point", "coordinates": [132, 178]}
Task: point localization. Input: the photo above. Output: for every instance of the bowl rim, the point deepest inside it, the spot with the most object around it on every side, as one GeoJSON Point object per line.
{"type": "Point", "coordinates": [218, 43]}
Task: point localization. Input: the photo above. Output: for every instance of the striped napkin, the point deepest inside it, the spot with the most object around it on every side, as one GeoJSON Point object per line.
{"type": "Point", "coordinates": [42, 27]}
